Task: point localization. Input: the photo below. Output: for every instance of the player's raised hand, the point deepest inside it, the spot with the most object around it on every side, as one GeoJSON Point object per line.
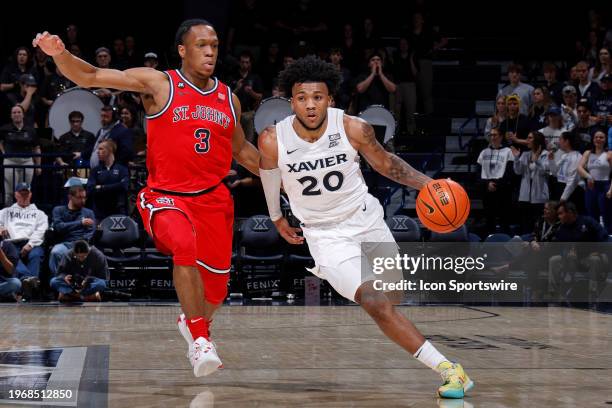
{"type": "Point", "coordinates": [52, 45]}
{"type": "Point", "coordinates": [288, 232]}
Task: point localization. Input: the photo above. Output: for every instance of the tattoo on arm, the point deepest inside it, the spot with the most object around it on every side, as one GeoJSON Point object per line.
{"type": "Point", "coordinates": [405, 174]}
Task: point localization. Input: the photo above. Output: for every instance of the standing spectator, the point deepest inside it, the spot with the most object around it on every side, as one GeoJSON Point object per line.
{"type": "Point", "coordinates": [376, 87]}
{"type": "Point", "coordinates": [495, 172]}
{"type": "Point", "coordinates": [81, 275]}
{"type": "Point", "coordinates": [77, 143]}
{"type": "Point", "coordinates": [25, 226]}
{"type": "Point", "coordinates": [586, 88]}
{"type": "Point", "coordinates": [249, 89]}
{"type": "Point", "coordinates": [595, 167]}
{"type": "Point", "coordinates": [570, 99]}
{"type": "Point", "coordinates": [27, 98]}
{"type": "Point", "coordinates": [515, 128]}
{"type": "Point", "coordinates": [553, 131]}
{"type": "Point", "coordinates": [516, 87]}
{"type": "Point", "coordinates": [129, 119]}
{"type": "Point", "coordinates": [17, 138]}
{"type": "Point", "coordinates": [131, 53]}
{"type": "Point", "coordinates": [10, 286]}
{"type": "Point", "coordinates": [9, 79]}
{"type": "Point", "coordinates": [71, 222]}
{"type": "Point", "coordinates": [270, 66]}
{"type": "Point", "coordinates": [541, 104]}
{"type": "Point", "coordinates": [119, 58]}
{"type": "Point", "coordinates": [586, 126]}
{"type": "Point", "coordinates": [108, 183]}
{"type": "Point", "coordinates": [555, 88]}
{"type": "Point", "coordinates": [151, 60]}
{"type": "Point", "coordinates": [405, 73]}
{"type": "Point", "coordinates": [103, 57]}
{"type": "Point", "coordinates": [350, 48]}
{"type": "Point", "coordinates": [498, 116]}
{"type": "Point", "coordinates": [532, 166]}
{"type": "Point", "coordinates": [603, 66]}
{"type": "Point", "coordinates": [72, 35]}
{"type": "Point", "coordinates": [54, 84]}
{"type": "Point", "coordinates": [342, 99]}
{"type": "Point", "coordinates": [424, 43]}
{"type": "Point", "coordinates": [602, 109]}
{"type": "Point", "coordinates": [564, 167]}
{"type": "Point", "coordinates": [113, 129]}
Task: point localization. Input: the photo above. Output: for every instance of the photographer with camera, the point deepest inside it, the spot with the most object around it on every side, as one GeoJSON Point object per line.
{"type": "Point", "coordinates": [82, 274]}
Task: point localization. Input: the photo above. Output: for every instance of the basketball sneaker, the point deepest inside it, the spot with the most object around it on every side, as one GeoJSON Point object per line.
{"type": "Point", "coordinates": [456, 382]}
{"type": "Point", "coordinates": [184, 330]}
{"type": "Point", "coordinates": [203, 357]}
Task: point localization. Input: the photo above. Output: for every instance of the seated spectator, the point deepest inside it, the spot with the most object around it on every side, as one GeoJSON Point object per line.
{"type": "Point", "coordinates": [10, 286]}
{"type": "Point", "coordinates": [577, 228]}
{"type": "Point", "coordinates": [515, 128]}
{"type": "Point", "coordinates": [541, 104]}
{"type": "Point", "coordinates": [17, 138]}
{"type": "Point", "coordinates": [77, 143]}
{"type": "Point", "coordinates": [113, 129]}
{"type": "Point", "coordinates": [546, 227]}
{"type": "Point", "coordinates": [555, 88]}
{"type": "Point", "coordinates": [376, 87]}
{"type": "Point", "coordinates": [602, 109]}
{"type": "Point", "coordinates": [25, 225]}
{"type": "Point", "coordinates": [71, 222]}
{"type": "Point", "coordinates": [564, 167]}
{"type": "Point", "coordinates": [108, 183]}
{"type": "Point", "coordinates": [532, 166]}
{"type": "Point", "coordinates": [81, 275]}
{"type": "Point", "coordinates": [553, 131]}
{"type": "Point", "coordinates": [570, 99]}
{"type": "Point", "coordinates": [496, 163]}
{"type": "Point", "coordinates": [595, 167]}
{"type": "Point", "coordinates": [516, 87]}
{"type": "Point", "coordinates": [603, 66]}
{"type": "Point", "coordinates": [586, 88]}
{"type": "Point", "coordinates": [498, 117]}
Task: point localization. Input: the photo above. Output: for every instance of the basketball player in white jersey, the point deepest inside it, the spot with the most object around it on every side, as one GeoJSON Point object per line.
{"type": "Point", "coordinates": [314, 154]}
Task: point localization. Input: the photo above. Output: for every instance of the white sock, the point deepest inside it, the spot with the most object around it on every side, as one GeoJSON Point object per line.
{"type": "Point", "coordinates": [428, 355]}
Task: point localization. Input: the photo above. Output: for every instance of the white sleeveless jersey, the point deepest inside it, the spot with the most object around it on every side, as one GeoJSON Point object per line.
{"type": "Point", "coordinates": [322, 179]}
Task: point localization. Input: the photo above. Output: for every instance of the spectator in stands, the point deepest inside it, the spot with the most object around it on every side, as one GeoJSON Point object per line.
{"type": "Point", "coordinates": [350, 48]}
{"type": "Point", "coordinates": [113, 129]}
{"type": "Point", "coordinates": [71, 222]}
{"type": "Point", "coordinates": [77, 143]}
{"type": "Point", "coordinates": [602, 109]}
{"type": "Point", "coordinates": [368, 38]}
{"type": "Point", "coordinates": [595, 167]}
{"type": "Point", "coordinates": [119, 57]}
{"type": "Point", "coordinates": [10, 286]}
{"type": "Point", "coordinates": [54, 84]}
{"type": "Point", "coordinates": [271, 65]}
{"type": "Point", "coordinates": [151, 60]}
{"type": "Point", "coordinates": [425, 42]}
{"type": "Point", "coordinates": [249, 89]}
{"type": "Point", "coordinates": [405, 73]}
{"type": "Point", "coordinates": [570, 99]}
{"type": "Point", "coordinates": [541, 104]}
{"type": "Point", "coordinates": [25, 226]}
{"type": "Point", "coordinates": [586, 88]}
{"type": "Point", "coordinates": [72, 34]}
{"type": "Point", "coordinates": [586, 126]}
{"type": "Point", "coordinates": [532, 166]}
{"type": "Point", "coordinates": [376, 87]}
{"type": "Point", "coordinates": [131, 52]}
{"type": "Point", "coordinates": [578, 228]}
{"type": "Point", "coordinates": [129, 118]}
{"type": "Point", "coordinates": [515, 127]}
{"type": "Point", "coordinates": [82, 274]}
{"type": "Point", "coordinates": [495, 172]}
{"type": "Point", "coordinates": [553, 131]}
{"type": "Point", "coordinates": [516, 87]}
{"type": "Point", "coordinates": [573, 76]}
{"type": "Point", "coordinates": [108, 183]}
{"type": "Point", "coordinates": [17, 138]}
{"type": "Point", "coordinates": [342, 99]}
{"type": "Point", "coordinates": [555, 88]}
{"type": "Point", "coordinates": [248, 28]}
{"type": "Point", "coordinates": [40, 67]}
{"type": "Point", "coordinates": [288, 59]}
{"type": "Point", "coordinates": [498, 116]}
{"type": "Point", "coordinates": [603, 66]}
{"type": "Point", "coordinates": [564, 167]}
{"type": "Point", "coordinates": [103, 60]}
{"type": "Point", "coordinates": [546, 227]}
{"type": "Point", "coordinates": [27, 98]}
{"type": "Point", "coordinates": [9, 79]}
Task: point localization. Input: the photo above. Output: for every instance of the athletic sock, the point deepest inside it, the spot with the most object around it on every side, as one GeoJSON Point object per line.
{"type": "Point", "coordinates": [428, 355]}
{"type": "Point", "coordinates": [198, 326]}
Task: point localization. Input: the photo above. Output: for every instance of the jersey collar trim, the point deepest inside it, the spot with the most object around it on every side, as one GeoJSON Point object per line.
{"type": "Point", "coordinates": [213, 89]}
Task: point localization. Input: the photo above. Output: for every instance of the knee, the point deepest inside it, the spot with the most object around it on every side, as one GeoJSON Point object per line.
{"type": "Point", "coordinates": [14, 285]}
{"type": "Point", "coordinates": [376, 305]}
{"type": "Point", "coordinates": [55, 282]}
{"type": "Point", "coordinates": [58, 250]}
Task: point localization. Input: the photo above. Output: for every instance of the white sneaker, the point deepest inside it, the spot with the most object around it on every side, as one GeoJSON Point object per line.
{"type": "Point", "coordinates": [184, 330]}
{"type": "Point", "coordinates": [203, 357]}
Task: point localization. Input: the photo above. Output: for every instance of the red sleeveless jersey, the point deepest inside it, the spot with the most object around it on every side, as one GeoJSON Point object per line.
{"type": "Point", "coordinates": [189, 142]}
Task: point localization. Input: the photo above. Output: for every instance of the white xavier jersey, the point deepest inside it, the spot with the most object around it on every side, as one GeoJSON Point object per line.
{"type": "Point", "coordinates": [322, 179]}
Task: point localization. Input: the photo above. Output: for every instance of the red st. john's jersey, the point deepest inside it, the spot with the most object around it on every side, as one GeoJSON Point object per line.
{"type": "Point", "coordinates": [189, 142]}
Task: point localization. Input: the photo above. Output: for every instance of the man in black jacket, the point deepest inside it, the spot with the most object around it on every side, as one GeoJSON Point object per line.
{"type": "Point", "coordinates": [113, 129]}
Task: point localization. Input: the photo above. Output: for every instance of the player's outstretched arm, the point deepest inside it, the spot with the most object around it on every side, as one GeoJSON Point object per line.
{"type": "Point", "coordinates": [271, 181]}
{"type": "Point", "coordinates": [142, 80]}
{"type": "Point", "coordinates": [362, 137]}
{"type": "Point", "coordinates": [242, 150]}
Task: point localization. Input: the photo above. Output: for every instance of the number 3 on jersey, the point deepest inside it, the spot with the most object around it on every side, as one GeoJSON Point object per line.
{"type": "Point", "coordinates": [203, 136]}
{"type": "Point", "coordinates": [329, 184]}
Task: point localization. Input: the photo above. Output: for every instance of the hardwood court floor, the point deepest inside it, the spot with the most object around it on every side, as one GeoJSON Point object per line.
{"type": "Point", "coordinates": [328, 356]}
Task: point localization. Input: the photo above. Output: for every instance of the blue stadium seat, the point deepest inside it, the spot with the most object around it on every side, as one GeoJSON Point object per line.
{"type": "Point", "coordinates": [404, 228]}
{"type": "Point", "coordinates": [459, 235]}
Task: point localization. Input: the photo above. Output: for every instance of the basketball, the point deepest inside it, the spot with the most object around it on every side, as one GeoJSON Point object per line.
{"type": "Point", "coordinates": [443, 205]}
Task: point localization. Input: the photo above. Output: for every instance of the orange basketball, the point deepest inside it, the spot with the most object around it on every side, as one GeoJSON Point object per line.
{"type": "Point", "coordinates": [442, 205]}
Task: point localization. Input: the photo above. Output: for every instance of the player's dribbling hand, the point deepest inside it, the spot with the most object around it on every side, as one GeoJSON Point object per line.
{"type": "Point", "coordinates": [52, 45]}
{"type": "Point", "coordinates": [288, 232]}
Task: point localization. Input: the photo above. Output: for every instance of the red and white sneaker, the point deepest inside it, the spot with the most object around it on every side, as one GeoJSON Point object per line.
{"type": "Point", "coordinates": [184, 330]}
{"type": "Point", "coordinates": [203, 357]}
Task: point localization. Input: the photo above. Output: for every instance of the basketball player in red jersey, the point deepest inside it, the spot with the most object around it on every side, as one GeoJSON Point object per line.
{"type": "Point", "coordinates": [193, 133]}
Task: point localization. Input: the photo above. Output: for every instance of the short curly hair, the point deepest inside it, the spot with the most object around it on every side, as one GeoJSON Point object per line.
{"type": "Point", "coordinates": [310, 69]}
